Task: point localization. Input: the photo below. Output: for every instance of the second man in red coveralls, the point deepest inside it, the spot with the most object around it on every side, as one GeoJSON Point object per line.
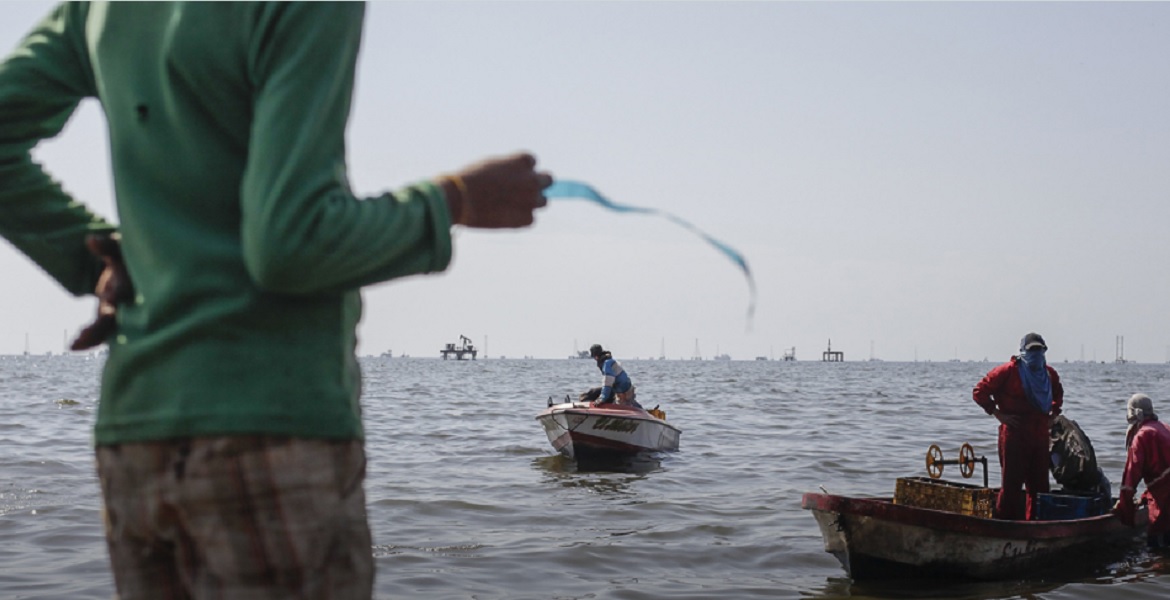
{"type": "Point", "coordinates": [1147, 445]}
{"type": "Point", "coordinates": [1023, 394]}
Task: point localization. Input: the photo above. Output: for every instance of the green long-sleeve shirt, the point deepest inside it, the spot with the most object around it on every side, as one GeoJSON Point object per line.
{"type": "Point", "coordinates": [245, 244]}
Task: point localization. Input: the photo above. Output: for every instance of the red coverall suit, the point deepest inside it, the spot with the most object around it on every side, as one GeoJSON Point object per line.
{"type": "Point", "coordinates": [1023, 450]}
{"type": "Point", "coordinates": [1149, 460]}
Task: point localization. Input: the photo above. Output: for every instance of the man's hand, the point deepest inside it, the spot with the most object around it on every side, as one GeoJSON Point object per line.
{"type": "Point", "coordinates": [1125, 510]}
{"type": "Point", "coordinates": [113, 287]}
{"type": "Point", "coordinates": [589, 395]}
{"type": "Point", "coordinates": [1006, 419]}
{"type": "Point", "coordinates": [496, 193]}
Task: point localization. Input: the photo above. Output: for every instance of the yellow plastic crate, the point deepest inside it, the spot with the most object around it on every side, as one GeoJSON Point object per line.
{"type": "Point", "coordinates": [923, 492]}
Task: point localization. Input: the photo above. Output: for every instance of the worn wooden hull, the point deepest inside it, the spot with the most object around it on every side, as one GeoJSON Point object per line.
{"type": "Point", "coordinates": [580, 431]}
{"type": "Point", "coordinates": [877, 539]}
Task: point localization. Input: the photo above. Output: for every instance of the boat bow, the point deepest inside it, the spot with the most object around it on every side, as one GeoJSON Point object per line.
{"type": "Point", "coordinates": [580, 429]}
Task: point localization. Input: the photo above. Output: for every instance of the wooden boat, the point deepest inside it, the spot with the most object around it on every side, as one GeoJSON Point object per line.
{"type": "Point", "coordinates": [581, 430]}
{"type": "Point", "coordinates": [874, 538]}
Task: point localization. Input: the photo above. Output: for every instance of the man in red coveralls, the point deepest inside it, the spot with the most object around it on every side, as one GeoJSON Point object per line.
{"type": "Point", "coordinates": [1023, 394]}
{"type": "Point", "coordinates": [1147, 458]}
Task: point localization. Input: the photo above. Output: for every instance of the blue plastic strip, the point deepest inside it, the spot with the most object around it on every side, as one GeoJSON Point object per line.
{"type": "Point", "coordinates": [576, 189]}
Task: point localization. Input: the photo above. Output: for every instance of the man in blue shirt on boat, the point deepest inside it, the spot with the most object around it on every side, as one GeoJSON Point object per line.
{"type": "Point", "coordinates": [616, 386]}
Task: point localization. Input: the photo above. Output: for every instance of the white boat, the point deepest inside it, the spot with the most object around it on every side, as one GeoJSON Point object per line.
{"type": "Point", "coordinates": [582, 430]}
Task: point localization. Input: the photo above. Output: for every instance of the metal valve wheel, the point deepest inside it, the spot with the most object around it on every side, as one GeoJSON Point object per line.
{"type": "Point", "coordinates": [966, 461]}
{"type": "Point", "coordinates": [934, 461]}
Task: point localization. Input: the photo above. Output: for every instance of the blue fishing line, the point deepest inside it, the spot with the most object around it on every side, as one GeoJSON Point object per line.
{"type": "Point", "coordinates": [578, 190]}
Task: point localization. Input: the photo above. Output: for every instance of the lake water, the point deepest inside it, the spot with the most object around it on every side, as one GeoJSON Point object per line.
{"type": "Point", "coordinates": [468, 500]}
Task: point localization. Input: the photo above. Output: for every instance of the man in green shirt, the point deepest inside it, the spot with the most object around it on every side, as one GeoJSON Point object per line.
{"type": "Point", "coordinates": [229, 436]}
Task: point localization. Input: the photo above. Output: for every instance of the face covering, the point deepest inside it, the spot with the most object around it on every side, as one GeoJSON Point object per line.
{"type": "Point", "coordinates": [1134, 415]}
{"type": "Point", "coordinates": [1034, 375]}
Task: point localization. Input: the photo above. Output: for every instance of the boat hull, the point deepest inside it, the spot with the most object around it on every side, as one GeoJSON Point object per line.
{"type": "Point", "coordinates": [580, 430]}
{"type": "Point", "coordinates": [877, 539]}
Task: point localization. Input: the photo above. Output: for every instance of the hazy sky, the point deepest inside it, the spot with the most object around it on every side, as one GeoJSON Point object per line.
{"type": "Point", "coordinates": [926, 180]}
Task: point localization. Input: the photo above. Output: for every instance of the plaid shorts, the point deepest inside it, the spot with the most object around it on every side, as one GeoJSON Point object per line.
{"type": "Point", "coordinates": [237, 517]}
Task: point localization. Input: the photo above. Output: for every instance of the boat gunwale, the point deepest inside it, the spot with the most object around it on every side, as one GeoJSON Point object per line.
{"type": "Point", "coordinates": [634, 414]}
{"type": "Point", "coordinates": [885, 509]}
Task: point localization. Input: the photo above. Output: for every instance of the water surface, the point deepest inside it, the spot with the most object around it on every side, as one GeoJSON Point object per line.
{"type": "Point", "coordinates": [467, 499]}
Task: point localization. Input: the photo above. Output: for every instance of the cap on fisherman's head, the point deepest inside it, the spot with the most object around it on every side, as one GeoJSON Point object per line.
{"type": "Point", "coordinates": [1033, 340]}
{"type": "Point", "coordinates": [596, 350]}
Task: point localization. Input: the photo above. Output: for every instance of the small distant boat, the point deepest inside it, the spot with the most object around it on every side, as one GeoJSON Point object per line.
{"type": "Point", "coordinates": [874, 538]}
{"type": "Point", "coordinates": [581, 430]}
